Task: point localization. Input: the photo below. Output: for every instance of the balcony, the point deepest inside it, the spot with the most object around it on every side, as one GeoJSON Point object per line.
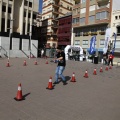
{"type": "Point", "coordinates": [102, 33]}
{"type": "Point", "coordinates": [86, 34]}
{"type": "Point", "coordinates": [54, 26]}
{"type": "Point", "coordinates": [55, 5]}
{"type": "Point", "coordinates": [102, 2]}
{"type": "Point", "coordinates": [93, 33]}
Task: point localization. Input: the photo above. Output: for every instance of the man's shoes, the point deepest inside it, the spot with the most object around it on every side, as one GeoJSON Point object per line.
{"type": "Point", "coordinates": [64, 83]}
{"type": "Point", "coordinates": [55, 82]}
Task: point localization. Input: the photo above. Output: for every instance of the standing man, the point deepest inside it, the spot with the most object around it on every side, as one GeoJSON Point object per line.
{"type": "Point", "coordinates": [60, 67]}
{"type": "Point", "coordinates": [110, 59]}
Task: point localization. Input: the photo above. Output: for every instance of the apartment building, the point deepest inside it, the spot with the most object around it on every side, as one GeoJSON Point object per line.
{"type": "Point", "coordinates": [53, 9]}
{"type": "Point", "coordinates": [17, 19]}
{"type": "Point", "coordinates": [115, 24]}
{"type": "Point", "coordinates": [90, 17]}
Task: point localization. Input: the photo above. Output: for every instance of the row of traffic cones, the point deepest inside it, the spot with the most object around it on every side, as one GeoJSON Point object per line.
{"type": "Point", "coordinates": [25, 63]}
{"type": "Point", "coordinates": [86, 73]}
{"type": "Point", "coordinates": [20, 97]}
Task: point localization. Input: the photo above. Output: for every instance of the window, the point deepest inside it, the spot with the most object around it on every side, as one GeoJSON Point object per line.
{"type": "Point", "coordinates": [29, 15]}
{"type": "Point", "coordinates": [74, 20]}
{"type": "Point", "coordinates": [9, 9]}
{"type": "Point", "coordinates": [83, 1]}
{"type": "Point", "coordinates": [118, 31]}
{"type": "Point", "coordinates": [77, 33]}
{"type": "Point", "coordinates": [34, 16]}
{"type": "Point", "coordinates": [91, 18]}
{"type": "Point", "coordinates": [4, 8]}
{"type": "Point", "coordinates": [116, 17]}
{"type": "Point", "coordinates": [94, 30]}
{"type": "Point", "coordinates": [117, 44]}
{"type": "Point", "coordinates": [26, 3]}
{"type": "Point", "coordinates": [102, 42]}
{"type": "Point", "coordinates": [77, 20]}
{"type": "Point", "coordinates": [102, 15]}
{"type": "Point", "coordinates": [24, 14]}
{"type": "Point", "coordinates": [85, 42]}
{"type": "Point", "coordinates": [82, 20]}
{"type": "Point", "coordinates": [103, 29]}
{"type": "Point", "coordinates": [92, 8]}
{"type": "Point", "coordinates": [30, 4]}
{"type": "Point", "coordinates": [77, 42]}
{"type": "Point", "coordinates": [83, 10]}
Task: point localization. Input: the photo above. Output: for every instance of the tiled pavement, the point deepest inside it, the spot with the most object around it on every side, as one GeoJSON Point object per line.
{"type": "Point", "coordinates": [93, 98]}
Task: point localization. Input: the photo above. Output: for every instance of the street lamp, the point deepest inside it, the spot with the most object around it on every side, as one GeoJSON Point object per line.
{"type": "Point", "coordinates": [30, 34]}
{"type": "Point", "coordinates": [11, 24]}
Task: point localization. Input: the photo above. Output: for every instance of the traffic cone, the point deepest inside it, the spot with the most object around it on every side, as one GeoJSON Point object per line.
{"type": "Point", "coordinates": [46, 62]}
{"type": "Point", "coordinates": [19, 96]}
{"type": "Point", "coordinates": [94, 72]}
{"type": "Point", "coordinates": [73, 78]}
{"type": "Point", "coordinates": [106, 68]}
{"type": "Point", "coordinates": [8, 64]}
{"type": "Point", "coordinates": [101, 70]}
{"type": "Point", "coordinates": [24, 64]}
{"type": "Point", "coordinates": [110, 67]}
{"type": "Point", "coordinates": [86, 74]}
{"type": "Point", "coordinates": [50, 87]}
{"type": "Point", "coordinates": [35, 62]}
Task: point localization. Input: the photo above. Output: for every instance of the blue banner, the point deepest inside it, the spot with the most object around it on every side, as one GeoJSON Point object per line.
{"type": "Point", "coordinates": [114, 43]}
{"type": "Point", "coordinates": [92, 45]}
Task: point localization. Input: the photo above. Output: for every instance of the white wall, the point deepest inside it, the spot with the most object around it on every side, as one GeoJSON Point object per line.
{"type": "Point", "coordinates": [15, 52]}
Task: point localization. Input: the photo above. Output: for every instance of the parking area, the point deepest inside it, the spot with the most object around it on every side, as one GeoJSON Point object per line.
{"type": "Point", "coordinates": [94, 98]}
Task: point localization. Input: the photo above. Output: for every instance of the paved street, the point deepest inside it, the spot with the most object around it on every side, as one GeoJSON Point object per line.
{"type": "Point", "coordinates": [94, 98]}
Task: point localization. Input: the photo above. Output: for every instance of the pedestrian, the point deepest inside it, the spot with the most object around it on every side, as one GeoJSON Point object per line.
{"type": "Point", "coordinates": [42, 53]}
{"type": "Point", "coordinates": [105, 58]}
{"type": "Point", "coordinates": [110, 59]}
{"type": "Point", "coordinates": [60, 67]}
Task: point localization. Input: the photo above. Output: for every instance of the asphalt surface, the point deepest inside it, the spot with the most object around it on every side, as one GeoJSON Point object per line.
{"type": "Point", "coordinates": [94, 98]}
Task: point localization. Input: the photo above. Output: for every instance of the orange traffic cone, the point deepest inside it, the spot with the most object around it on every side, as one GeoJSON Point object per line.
{"type": "Point", "coordinates": [73, 78]}
{"type": "Point", "coordinates": [35, 62]}
{"type": "Point", "coordinates": [94, 72]}
{"type": "Point", "coordinates": [106, 68]}
{"type": "Point", "coordinates": [101, 70]}
{"type": "Point", "coordinates": [86, 74]}
{"type": "Point", "coordinates": [19, 96]}
{"type": "Point", "coordinates": [50, 87]}
{"type": "Point", "coordinates": [110, 67]}
{"type": "Point", "coordinates": [46, 62]}
{"type": "Point", "coordinates": [24, 64]}
{"type": "Point", "coordinates": [8, 64]}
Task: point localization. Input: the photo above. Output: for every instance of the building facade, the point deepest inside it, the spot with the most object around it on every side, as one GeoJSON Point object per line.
{"type": "Point", "coordinates": [17, 30]}
{"type": "Point", "coordinates": [64, 30]}
{"type": "Point", "coordinates": [90, 18]}
{"type": "Point", "coordinates": [115, 25]}
{"type": "Point", "coordinates": [18, 15]}
{"type": "Point", "coordinates": [53, 9]}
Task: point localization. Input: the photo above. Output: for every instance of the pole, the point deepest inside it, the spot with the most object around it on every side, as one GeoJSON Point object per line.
{"type": "Point", "coordinates": [30, 46]}
{"type": "Point", "coordinates": [9, 45]}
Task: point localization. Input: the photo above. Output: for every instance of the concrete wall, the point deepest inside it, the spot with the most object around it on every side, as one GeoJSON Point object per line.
{"type": "Point", "coordinates": [16, 52]}
{"type": "Point", "coordinates": [4, 43]}
{"type": "Point", "coordinates": [34, 47]}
